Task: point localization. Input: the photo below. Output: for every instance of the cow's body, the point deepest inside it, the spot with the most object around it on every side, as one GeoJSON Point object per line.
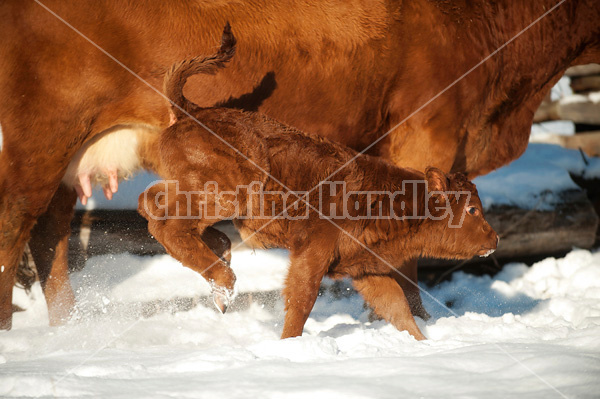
{"type": "Point", "coordinates": [350, 71]}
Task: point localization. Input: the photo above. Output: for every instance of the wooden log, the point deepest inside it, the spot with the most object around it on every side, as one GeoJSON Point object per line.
{"type": "Point", "coordinates": [579, 109]}
{"type": "Point", "coordinates": [583, 70]}
{"type": "Point", "coordinates": [588, 142]}
{"type": "Point", "coordinates": [586, 83]}
{"type": "Point", "coordinates": [546, 112]}
{"type": "Point", "coordinates": [573, 223]}
{"type": "Point", "coordinates": [584, 111]}
{"type": "Point", "coordinates": [524, 232]}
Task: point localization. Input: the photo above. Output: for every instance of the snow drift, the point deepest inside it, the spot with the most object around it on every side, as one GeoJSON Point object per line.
{"type": "Point", "coordinates": [527, 332]}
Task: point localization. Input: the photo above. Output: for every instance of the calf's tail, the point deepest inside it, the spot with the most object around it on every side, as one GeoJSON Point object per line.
{"type": "Point", "coordinates": [177, 75]}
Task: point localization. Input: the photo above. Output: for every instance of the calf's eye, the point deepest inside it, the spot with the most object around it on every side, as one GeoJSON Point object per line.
{"type": "Point", "coordinates": [472, 210]}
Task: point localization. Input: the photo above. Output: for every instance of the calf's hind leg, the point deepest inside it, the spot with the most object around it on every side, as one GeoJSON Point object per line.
{"type": "Point", "coordinates": [385, 295]}
{"type": "Point", "coordinates": [408, 280]}
{"type": "Point", "coordinates": [218, 242]}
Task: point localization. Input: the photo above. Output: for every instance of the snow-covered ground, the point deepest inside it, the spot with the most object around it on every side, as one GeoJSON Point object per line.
{"type": "Point", "coordinates": [527, 333]}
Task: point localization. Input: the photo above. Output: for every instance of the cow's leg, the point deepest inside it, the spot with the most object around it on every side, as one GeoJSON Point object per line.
{"type": "Point", "coordinates": [407, 277]}
{"type": "Point", "coordinates": [49, 246]}
{"type": "Point", "coordinates": [15, 232]}
{"type": "Point", "coordinates": [307, 269]}
{"type": "Point", "coordinates": [22, 200]}
{"type": "Point", "coordinates": [36, 150]}
{"type": "Point", "coordinates": [387, 298]}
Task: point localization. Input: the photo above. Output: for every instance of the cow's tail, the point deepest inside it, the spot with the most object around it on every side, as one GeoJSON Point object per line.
{"type": "Point", "coordinates": [177, 75]}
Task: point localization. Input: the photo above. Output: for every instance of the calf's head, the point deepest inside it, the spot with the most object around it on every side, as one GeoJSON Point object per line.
{"type": "Point", "coordinates": [455, 218]}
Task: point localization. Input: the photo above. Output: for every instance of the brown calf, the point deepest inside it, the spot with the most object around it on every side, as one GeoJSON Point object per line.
{"type": "Point", "coordinates": [364, 223]}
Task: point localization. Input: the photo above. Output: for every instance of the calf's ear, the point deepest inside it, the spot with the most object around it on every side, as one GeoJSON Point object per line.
{"type": "Point", "coordinates": [436, 179]}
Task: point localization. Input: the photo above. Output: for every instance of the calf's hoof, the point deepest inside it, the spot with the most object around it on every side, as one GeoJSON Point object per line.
{"type": "Point", "coordinates": [222, 298]}
{"type": "Point", "coordinates": [6, 324]}
{"type": "Point", "coordinates": [421, 312]}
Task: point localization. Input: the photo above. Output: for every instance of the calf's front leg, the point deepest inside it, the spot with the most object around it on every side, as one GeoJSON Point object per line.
{"type": "Point", "coordinates": [306, 271]}
{"type": "Point", "coordinates": [194, 243]}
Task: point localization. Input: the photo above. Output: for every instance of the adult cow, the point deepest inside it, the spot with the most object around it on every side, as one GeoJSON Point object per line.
{"type": "Point", "coordinates": [350, 71]}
